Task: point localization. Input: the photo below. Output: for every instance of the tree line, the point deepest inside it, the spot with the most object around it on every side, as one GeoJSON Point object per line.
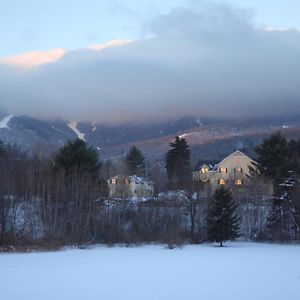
{"type": "Point", "coordinates": [63, 199]}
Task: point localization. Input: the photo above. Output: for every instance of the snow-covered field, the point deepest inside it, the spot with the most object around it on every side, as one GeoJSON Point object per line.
{"type": "Point", "coordinates": [240, 271]}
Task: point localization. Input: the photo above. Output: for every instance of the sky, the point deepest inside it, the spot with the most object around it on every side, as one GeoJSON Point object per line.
{"type": "Point", "coordinates": [127, 60]}
{"type": "Point", "coordinates": [42, 24]}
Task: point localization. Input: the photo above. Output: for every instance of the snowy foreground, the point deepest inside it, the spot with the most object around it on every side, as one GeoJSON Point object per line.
{"type": "Point", "coordinates": [240, 271]}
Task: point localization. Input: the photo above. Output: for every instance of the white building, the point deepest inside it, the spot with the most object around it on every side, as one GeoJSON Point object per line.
{"type": "Point", "coordinates": [124, 186]}
{"type": "Point", "coordinates": [232, 170]}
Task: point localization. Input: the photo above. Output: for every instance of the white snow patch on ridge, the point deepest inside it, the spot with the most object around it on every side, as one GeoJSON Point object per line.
{"type": "Point", "coordinates": [4, 122]}
{"type": "Point", "coordinates": [73, 126]}
{"type": "Point", "coordinates": [185, 135]}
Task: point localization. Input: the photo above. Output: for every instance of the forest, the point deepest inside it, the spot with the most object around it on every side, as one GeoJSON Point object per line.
{"type": "Point", "coordinates": [49, 202]}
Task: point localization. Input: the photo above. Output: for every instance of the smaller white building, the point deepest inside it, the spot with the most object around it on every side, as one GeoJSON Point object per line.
{"type": "Point", "coordinates": [124, 187]}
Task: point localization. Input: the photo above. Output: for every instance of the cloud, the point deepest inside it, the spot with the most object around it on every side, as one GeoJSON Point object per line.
{"type": "Point", "coordinates": [113, 43]}
{"type": "Point", "coordinates": [206, 59]}
{"type": "Point", "coordinates": [37, 58]}
{"type": "Point", "coordinates": [34, 58]}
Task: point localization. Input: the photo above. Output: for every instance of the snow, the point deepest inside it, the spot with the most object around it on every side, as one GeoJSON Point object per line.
{"type": "Point", "coordinates": [138, 179]}
{"type": "Point", "coordinates": [4, 122]}
{"type": "Point", "coordinates": [239, 271]}
{"type": "Point", "coordinates": [199, 122]}
{"type": "Point", "coordinates": [184, 135]}
{"type": "Point", "coordinates": [73, 126]}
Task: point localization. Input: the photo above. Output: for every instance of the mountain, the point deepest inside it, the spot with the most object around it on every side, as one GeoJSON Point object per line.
{"type": "Point", "coordinates": [32, 134]}
{"type": "Point", "coordinates": [209, 139]}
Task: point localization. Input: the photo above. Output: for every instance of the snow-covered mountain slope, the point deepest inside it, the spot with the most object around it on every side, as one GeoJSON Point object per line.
{"type": "Point", "coordinates": [5, 121]}
{"type": "Point", "coordinates": [209, 140]}
{"type": "Point", "coordinates": [73, 125]}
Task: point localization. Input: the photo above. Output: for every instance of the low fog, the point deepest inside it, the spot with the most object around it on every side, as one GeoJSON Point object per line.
{"type": "Point", "coordinates": [205, 60]}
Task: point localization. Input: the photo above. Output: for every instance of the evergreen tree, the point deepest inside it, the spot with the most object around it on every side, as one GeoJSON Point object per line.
{"type": "Point", "coordinates": [178, 164]}
{"type": "Point", "coordinates": [273, 156]}
{"type": "Point", "coordinates": [279, 161]}
{"type": "Point", "coordinates": [77, 156]}
{"type": "Point", "coordinates": [222, 220]}
{"type": "Point", "coordinates": [135, 162]}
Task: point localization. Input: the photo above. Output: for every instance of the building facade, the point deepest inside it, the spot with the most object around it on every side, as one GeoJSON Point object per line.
{"type": "Point", "coordinates": [127, 187]}
{"type": "Point", "coordinates": [234, 169]}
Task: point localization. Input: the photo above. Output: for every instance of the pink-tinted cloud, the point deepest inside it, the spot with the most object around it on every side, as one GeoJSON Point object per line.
{"type": "Point", "coordinates": [34, 58]}
{"type": "Point", "coordinates": [37, 58]}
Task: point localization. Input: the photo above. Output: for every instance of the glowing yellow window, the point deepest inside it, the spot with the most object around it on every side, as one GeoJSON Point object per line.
{"type": "Point", "coordinates": [238, 182]}
{"type": "Point", "coordinates": [221, 181]}
{"type": "Point", "coordinates": [204, 170]}
{"type": "Point", "coordinates": [223, 170]}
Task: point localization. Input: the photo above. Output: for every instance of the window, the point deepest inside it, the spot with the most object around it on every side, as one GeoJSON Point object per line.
{"type": "Point", "coordinates": [238, 182]}
{"type": "Point", "coordinates": [238, 170]}
{"type": "Point", "coordinates": [204, 170]}
{"type": "Point", "coordinates": [221, 181]}
{"type": "Point", "coordinates": [223, 170]}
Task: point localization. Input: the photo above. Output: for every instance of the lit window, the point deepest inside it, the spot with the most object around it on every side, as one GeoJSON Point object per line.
{"type": "Point", "coordinates": [238, 182]}
{"type": "Point", "coordinates": [221, 181]}
{"type": "Point", "coordinates": [238, 170]}
{"type": "Point", "coordinates": [223, 170]}
{"type": "Point", "coordinates": [114, 181]}
{"type": "Point", "coordinates": [204, 170]}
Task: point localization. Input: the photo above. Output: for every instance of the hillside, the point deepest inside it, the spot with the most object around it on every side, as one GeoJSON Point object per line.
{"type": "Point", "coordinates": [209, 139]}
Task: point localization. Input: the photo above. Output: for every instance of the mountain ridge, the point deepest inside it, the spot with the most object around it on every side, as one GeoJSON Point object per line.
{"type": "Point", "coordinates": [34, 135]}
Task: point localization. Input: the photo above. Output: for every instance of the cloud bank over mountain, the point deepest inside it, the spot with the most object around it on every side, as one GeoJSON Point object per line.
{"type": "Point", "coordinates": [206, 59]}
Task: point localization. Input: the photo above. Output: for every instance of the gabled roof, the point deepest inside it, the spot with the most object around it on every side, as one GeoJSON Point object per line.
{"type": "Point", "coordinates": [236, 153]}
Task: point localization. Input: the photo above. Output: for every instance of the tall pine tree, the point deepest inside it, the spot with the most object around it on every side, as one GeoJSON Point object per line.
{"type": "Point", "coordinates": [135, 162]}
{"type": "Point", "coordinates": [178, 164]}
{"type": "Point", "coordinates": [279, 162]}
{"type": "Point", "coordinates": [222, 220]}
{"type": "Point", "coordinates": [76, 156]}
{"type": "Point", "coordinates": [273, 156]}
